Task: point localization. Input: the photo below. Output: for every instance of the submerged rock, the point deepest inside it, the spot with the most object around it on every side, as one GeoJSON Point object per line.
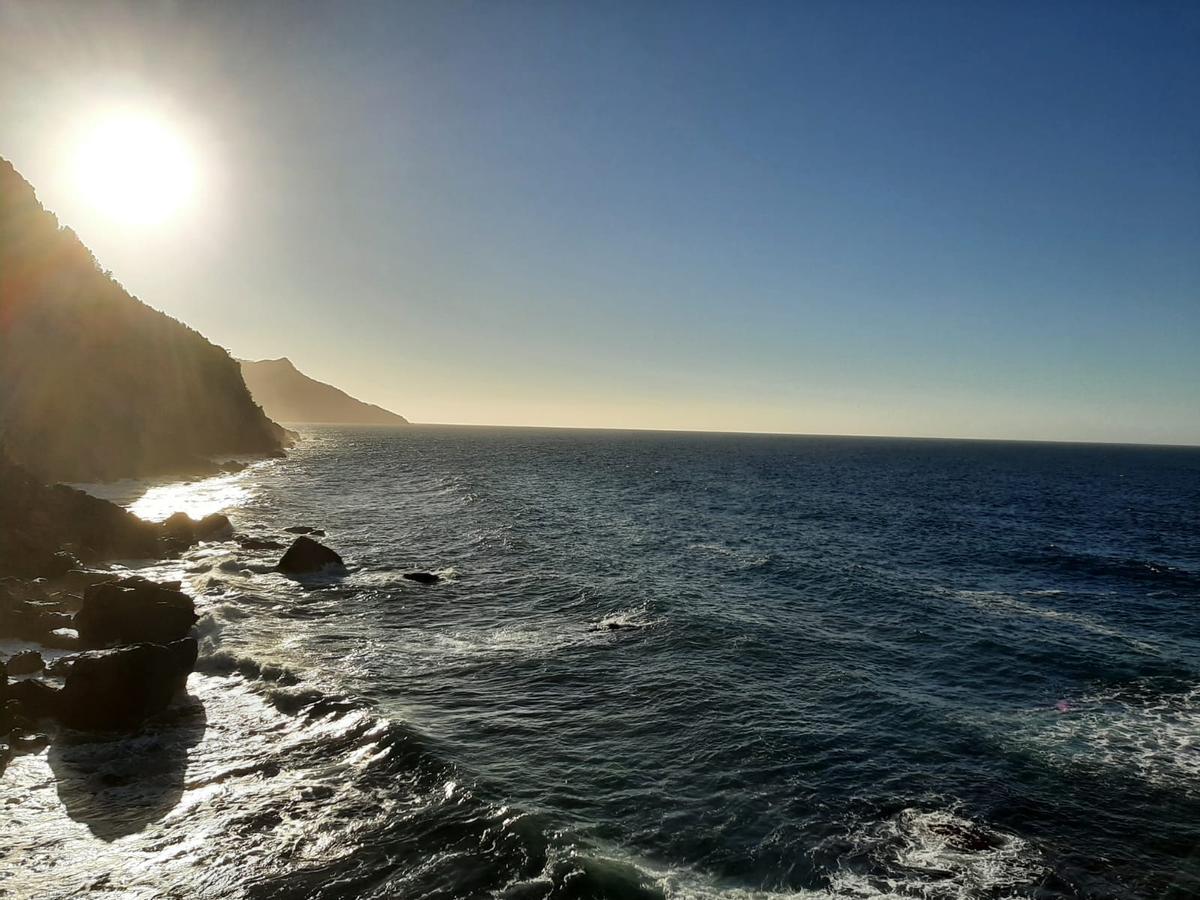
{"type": "Point", "coordinates": [300, 529]}
{"type": "Point", "coordinates": [25, 663]}
{"type": "Point", "coordinates": [423, 577]}
{"type": "Point", "coordinates": [307, 555]}
{"type": "Point", "coordinates": [112, 690]}
{"type": "Point", "coordinates": [133, 610]}
{"type": "Point", "coordinates": [79, 580]}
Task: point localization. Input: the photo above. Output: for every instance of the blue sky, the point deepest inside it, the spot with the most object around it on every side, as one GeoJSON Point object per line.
{"type": "Point", "coordinates": [875, 218]}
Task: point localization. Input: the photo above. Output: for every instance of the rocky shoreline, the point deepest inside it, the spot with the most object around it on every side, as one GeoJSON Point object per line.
{"type": "Point", "coordinates": [100, 651]}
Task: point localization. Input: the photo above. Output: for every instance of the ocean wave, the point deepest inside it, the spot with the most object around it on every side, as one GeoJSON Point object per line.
{"type": "Point", "coordinates": [1004, 604]}
{"type": "Point", "coordinates": [1100, 566]}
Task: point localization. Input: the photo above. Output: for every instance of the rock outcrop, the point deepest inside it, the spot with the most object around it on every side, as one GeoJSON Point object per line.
{"type": "Point", "coordinates": [118, 689]}
{"type": "Point", "coordinates": [25, 663]}
{"type": "Point", "coordinates": [133, 610]}
{"type": "Point", "coordinates": [106, 689]}
{"type": "Point", "coordinates": [44, 528]}
{"type": "Point", "coordinates": [306, 556]}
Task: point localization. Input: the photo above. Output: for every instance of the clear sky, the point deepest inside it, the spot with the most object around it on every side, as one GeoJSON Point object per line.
{"type": "Point", "coordinates": [962, 219]}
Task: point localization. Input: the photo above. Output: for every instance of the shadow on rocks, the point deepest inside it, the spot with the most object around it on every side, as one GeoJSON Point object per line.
{"type": "Point", "coordinates": [118, 785]}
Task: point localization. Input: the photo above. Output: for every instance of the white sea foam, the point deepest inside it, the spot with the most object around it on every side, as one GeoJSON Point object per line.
{"type": "Point", "coordinates": [1136, 730]}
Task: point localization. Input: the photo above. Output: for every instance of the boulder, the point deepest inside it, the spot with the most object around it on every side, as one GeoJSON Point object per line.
{"type": "Point", "coordinates": [36, 699]}
{"type": "Point", "coordinates": [307, 555]}
{"type": "Point", "coordinates": [423, 577]}
{"type": "Point", "coordinates": [215, 527]}
{"type": "Point", "coordinates": [179, 530]}
{"type": "Point", "coordinates": [133, 610]}
{"type": "Point", "coordinates": [25, 663]}
{"type": "Point", "coordinates": [112, 690]}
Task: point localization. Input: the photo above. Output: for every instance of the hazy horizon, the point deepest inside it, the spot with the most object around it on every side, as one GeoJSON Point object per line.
{"type": "Point", "coordinates": [933, 221]}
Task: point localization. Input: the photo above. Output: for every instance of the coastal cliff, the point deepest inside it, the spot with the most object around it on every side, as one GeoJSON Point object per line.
{"type": "Point", "coordinates": [288, 395]}
{"type": "Point", "coordinates": [94, 384]}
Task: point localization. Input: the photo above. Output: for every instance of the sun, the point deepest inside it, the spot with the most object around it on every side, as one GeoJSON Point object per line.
{"type": "Point", "coordinates": [135, 168]}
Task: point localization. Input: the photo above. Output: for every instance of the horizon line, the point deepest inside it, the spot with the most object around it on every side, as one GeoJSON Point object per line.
{"type": "Point", "coordinates": [903, 437]}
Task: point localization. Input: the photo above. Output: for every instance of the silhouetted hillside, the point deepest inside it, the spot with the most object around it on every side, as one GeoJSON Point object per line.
{"type": "Point", "coordinates": [94, 384]}
{"type": "Point", "coordinates": [289, 395]}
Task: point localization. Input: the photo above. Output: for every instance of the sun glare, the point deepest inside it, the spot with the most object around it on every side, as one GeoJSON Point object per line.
{"type": "Point", "coordinates": [135, 169]}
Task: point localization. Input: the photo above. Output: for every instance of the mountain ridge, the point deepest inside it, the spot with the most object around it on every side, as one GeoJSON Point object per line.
{"type": "Point", "coordinates": [95, 384]}
{"type": "Point", "coordinates": [288, 395]}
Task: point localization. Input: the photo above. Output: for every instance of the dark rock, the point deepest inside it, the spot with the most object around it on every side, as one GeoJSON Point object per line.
{"type": "Point", "coordinates": [307, 555]}
{"type": "Point", "coordinates": [3, 684]}
{"type": "Point", "coordinates": [27, 741]}
{"type": "Point", "coordinates": [179, 529]}
{"type": "Point", "coordinates": [59, 563]}
{"type": "Point", "coordinates": [118, 689]}
{"type": "Point", "coordinates": [13, 716]}
{"type": "Point", "coordinates": [39, 521]}
{"type": "Point", "coordinates": [62, 602]}
{"type": "Point", "coordinates": [132, 610]}
{"type": "Point", "coordinates": [300, 529]}
{"type": "Point", "coordinates": [31, 620]}
{"type": "Point", "coordinates": [423, 577]}
{"type": "Point", "coordinates": [317, 532]}
{"type": "Point", "coordinates": [233, 466]}
{"type": "Point", "coordinates": [250, 543]}
{"type": "Point", "coordinates": [37, 699]}
{"type": "Point", "coordinates": [25, 663]}
{"type": "Point", "coordinates": [78, 580]}
{"type": "Point", "coordinates": [22, 588]}
{"type": "Point", "coordinates": [215, 527]}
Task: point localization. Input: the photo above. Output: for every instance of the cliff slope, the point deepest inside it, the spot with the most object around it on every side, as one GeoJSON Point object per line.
{"type": "Point", "coordinates": [94, 384]}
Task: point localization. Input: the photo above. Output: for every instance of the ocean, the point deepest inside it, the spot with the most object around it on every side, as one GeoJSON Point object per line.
{"type": "Point", "coordinates": [660, 665]}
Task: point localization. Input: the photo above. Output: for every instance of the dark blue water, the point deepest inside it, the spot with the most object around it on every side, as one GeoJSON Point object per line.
{"type": "Point", "coordinates": [849, 667]}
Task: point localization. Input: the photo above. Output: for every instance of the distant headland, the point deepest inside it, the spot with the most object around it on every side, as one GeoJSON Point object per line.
{"type": "Point", "coordinates": [288, 395]}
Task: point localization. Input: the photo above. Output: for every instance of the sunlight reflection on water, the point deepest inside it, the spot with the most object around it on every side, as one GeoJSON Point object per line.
{"type": "Point", "coordinates": [197, 498]}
